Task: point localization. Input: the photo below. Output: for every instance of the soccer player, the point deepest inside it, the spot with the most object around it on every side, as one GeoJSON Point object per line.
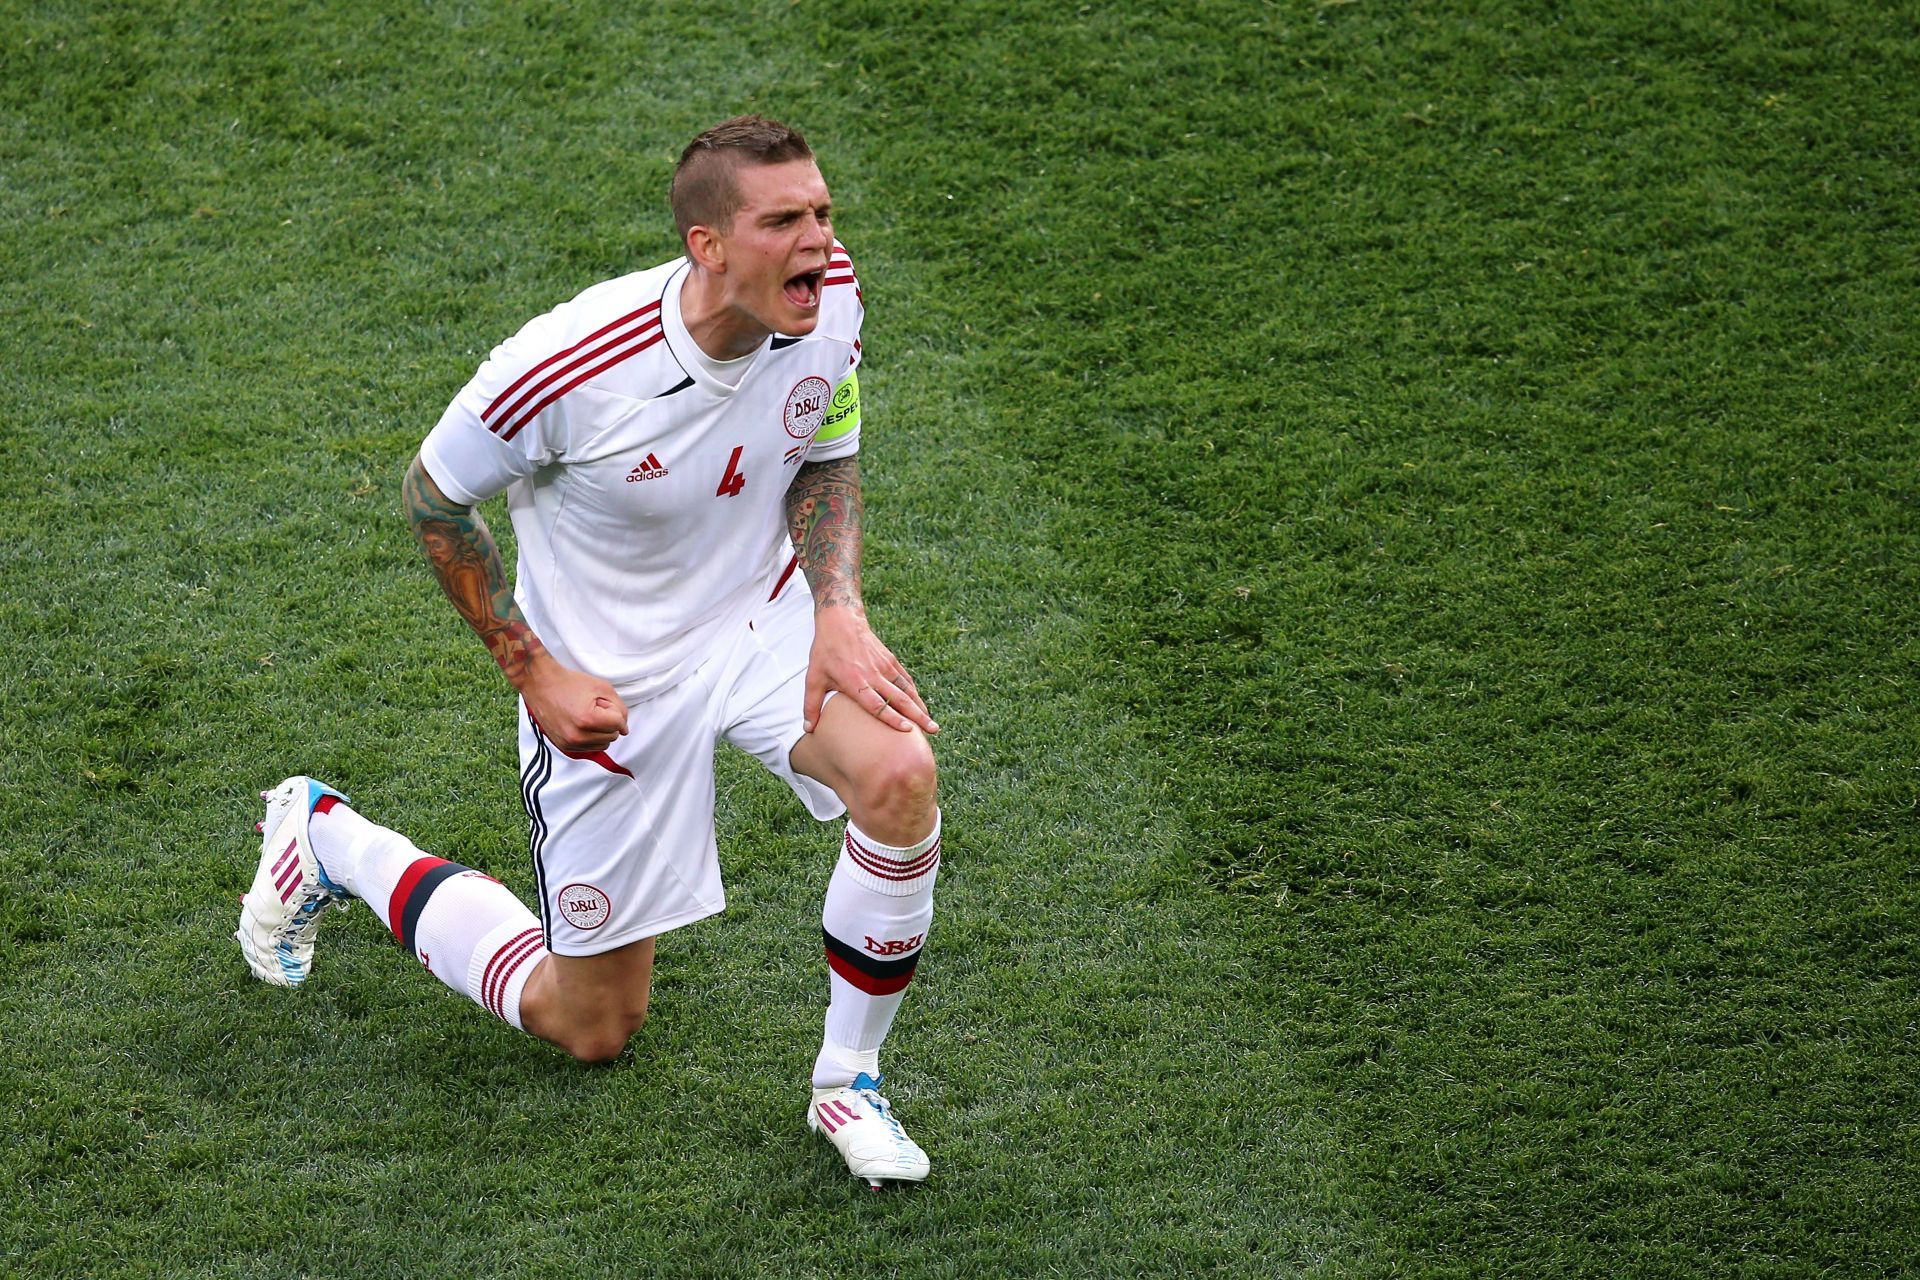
{"type": "Point", "coordinates": [672, 443]}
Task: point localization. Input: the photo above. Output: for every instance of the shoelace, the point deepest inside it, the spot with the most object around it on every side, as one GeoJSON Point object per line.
{"type": "Point", "coordinates": [885, 1112]}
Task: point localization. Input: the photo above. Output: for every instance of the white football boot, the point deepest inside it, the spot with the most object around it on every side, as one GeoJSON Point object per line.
{"type": "Point", "coordinates": [860, 1124]}
{"type": "Point", "coordinates": [281, 913]}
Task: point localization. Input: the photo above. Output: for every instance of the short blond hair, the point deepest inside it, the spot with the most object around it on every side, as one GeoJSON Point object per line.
{"type": "Point", "coordinates": [704, 192]}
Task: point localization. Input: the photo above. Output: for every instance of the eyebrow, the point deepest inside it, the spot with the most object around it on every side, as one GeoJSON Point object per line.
{"type": "Point", "coordinates": [777, 212]}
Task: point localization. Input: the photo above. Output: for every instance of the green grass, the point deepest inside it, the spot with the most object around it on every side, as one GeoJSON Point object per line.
{"type": "Point", "coordinates": [1406, 514]}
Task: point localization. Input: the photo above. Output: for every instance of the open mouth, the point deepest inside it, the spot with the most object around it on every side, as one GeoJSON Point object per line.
{"type": "Point", "coordinates": [803, 290]}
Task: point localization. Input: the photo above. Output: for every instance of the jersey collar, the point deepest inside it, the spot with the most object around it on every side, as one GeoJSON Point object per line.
{"type": "Point", "coordinates": [706, 372]}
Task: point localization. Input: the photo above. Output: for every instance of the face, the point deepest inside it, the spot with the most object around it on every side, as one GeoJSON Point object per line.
{"type": "Point", "coordinates": [776, 251]}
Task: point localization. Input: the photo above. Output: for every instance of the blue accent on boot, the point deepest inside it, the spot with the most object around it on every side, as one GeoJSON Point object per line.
{"type": "Point", "coordinates": [316, 789]}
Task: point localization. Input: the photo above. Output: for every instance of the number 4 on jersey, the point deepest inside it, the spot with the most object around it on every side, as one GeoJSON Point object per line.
{"type": "Point", "coordinates": [735, 480]}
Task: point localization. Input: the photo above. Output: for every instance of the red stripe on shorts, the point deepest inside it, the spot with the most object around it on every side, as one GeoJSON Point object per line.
{"type": "Point", "coordinates": [792, 564]}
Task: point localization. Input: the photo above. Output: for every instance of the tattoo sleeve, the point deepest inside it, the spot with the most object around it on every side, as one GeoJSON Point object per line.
{"type": "Point", "coordinates": [824, 514]}
{"type": "Point", "coordinates": [461, 550]}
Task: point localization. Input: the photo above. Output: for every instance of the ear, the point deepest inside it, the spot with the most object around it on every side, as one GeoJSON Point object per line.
{"type": "Point", "coordinates": [707, 248]}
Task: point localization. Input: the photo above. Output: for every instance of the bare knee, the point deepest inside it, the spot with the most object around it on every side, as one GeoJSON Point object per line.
{"type": "Point", "coordinates": [590, 1006]}
{"type": "Point", "coordinates": [896, 793]}
{"type": "Point", "coordinates": [600, 1039]}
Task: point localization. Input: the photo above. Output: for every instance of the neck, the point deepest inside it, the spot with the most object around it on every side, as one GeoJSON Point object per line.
{"type": "Point", "coordinates": [723, 331]}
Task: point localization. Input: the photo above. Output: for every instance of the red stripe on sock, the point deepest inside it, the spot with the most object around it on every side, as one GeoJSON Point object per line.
{"type": "Point", "coordinates": [493, 985]}
{"type": "Point", "coordinates": [409, 880]}
{"type": "Point", "coordinates": [892, 868]}
{"type": "Point", "coordinates": [500, 970]}
{"type": "Point", "coordinates": [326, 805]}
{"type": "Point", "coordinates": [506, 978]}
{"type": "Point", "coordinates": [895, 870]}
{"type": "Point", "coordinates": [867, 982]}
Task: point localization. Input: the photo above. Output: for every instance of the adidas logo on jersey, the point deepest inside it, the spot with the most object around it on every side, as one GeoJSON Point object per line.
{"type": "Point", "coordinates": [648, 470]}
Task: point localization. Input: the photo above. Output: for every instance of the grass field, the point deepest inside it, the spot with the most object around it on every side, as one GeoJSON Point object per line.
{"type": "Point", "coordinates": [1408, 516]}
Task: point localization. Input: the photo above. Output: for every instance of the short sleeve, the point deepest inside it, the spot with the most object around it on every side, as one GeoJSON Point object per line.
{"type": "Point", "coordinates": [509, 421]}
{"type": "Point", "coordinates": [846, 312]}
{"type": "Point", "coordinates": [846, 301]}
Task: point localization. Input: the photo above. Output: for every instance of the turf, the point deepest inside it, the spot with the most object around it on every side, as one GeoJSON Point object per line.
{"type": "Point", "coordinates": [1405, 514]}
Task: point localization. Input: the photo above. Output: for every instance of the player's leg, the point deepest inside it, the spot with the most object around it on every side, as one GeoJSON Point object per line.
{"type": "Point", "coordinates": [880, 899]}
{"type": "Point", "coordinates": [623, 850]}
{"type": "Point", "coordinates": [886, 778]}
{"type": "Point", "coordinates": [875, 921]}
{"type": "Point", "coordinates": [879, 904]}
{"type": "Point", "coordinates": [465, 927]}
{"type": "Point", "coordinates": [581, 977]}
{"type": "Point", "coordinates": [591, 1005]}
{"type": "Point", "coordinates": [473, 934]}
{"type": "Point", "coordinates": [316, 852]}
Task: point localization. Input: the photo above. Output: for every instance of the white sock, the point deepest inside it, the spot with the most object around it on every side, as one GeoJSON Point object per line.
{"type": "Point", "coordinates": [838, 1066]}
{"type": "Point", "coordinates": [362, 857]}
{"type": "Point", "coordinates": [467, 928]}
{"type": "Point", "coordinates": [878, 909]}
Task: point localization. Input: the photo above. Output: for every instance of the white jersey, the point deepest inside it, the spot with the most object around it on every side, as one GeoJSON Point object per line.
{"type": "Point", "coordinates": [648, 495]}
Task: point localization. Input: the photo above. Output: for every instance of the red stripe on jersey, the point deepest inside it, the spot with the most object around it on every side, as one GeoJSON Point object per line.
{"type": "Point", "coordinates": [867, 982]}
{"type": "Point", "coordinates": [830, 281]}
{"type": "Point", "coordinates": [592, 373]}
{"type": "Point", "coordinates": [595, 336]}
{"type": "Point", "coordinates": [520, 415]}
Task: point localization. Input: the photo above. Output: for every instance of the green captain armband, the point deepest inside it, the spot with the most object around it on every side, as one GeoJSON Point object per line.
{"type": "Point", "coordinates": [843, 414]}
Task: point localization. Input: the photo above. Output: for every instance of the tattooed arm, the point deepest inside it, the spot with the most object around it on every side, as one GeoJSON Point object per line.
{"type": "Point", "coordinates": [824, 515]}
{"type": "Point", "coordinates": [579, 712]}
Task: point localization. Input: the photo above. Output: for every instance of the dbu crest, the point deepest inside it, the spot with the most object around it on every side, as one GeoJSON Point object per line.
{"type": "Point", "coordinates": [806, 407]}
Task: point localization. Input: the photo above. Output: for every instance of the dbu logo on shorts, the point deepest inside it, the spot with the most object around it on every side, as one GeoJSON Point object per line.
{"type": "Point", "coordinates": [583, 906]}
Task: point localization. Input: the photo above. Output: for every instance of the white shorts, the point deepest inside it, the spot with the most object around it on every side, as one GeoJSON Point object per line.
{"type": "Point", "coordinates": [622, 839]}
